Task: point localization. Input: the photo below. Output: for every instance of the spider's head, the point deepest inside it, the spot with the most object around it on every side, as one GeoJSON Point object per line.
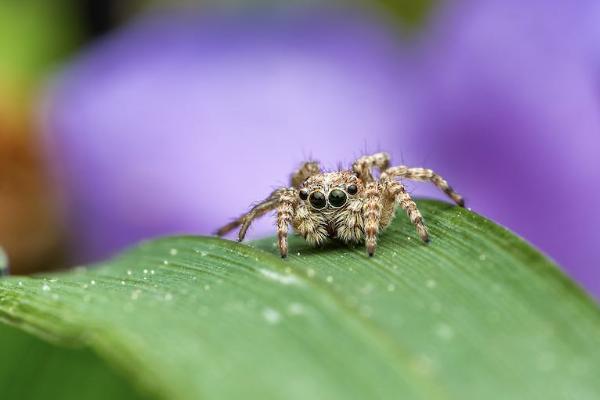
{"type": "Point", "coordinates": [330, 191]}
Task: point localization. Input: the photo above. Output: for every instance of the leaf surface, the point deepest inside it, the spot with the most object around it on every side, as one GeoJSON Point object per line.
{"type": "Point", "coordinates": [477, 313]}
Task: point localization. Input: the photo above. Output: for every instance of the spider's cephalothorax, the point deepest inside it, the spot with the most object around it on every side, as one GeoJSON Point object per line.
{"type": "Point", "coordinates": [351, 206]}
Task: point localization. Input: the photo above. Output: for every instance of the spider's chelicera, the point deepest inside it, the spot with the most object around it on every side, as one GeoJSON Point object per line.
{"type": "Point", "coordinates": [352, 206]}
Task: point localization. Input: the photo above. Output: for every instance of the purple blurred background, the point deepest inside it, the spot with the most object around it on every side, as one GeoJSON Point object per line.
{"type": "Point", "coordinates": [179, 123]}
{"type": "Point", "coordinates": [178, 120]}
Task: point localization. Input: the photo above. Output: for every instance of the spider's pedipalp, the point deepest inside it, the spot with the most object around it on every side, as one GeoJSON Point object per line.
{"type": "Point", "coordinates": [371, 215]}
{"type": "Point", "coordinates": [424, 175]}
{"type": "Point", "coordinates": [364, 165]}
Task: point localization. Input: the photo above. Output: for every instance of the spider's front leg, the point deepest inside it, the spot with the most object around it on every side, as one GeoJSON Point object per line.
{"type": "Point", "coordinates": [371, 215]}
{"type": "Point", "coordinates": [260, 209]}
{"type": "Point", "coordinates": [286, 209]}
{"type": "Point", "coordinates": [425, 175]}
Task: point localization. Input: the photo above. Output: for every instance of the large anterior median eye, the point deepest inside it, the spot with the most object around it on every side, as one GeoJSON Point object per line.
{"type": "Point", "coordinates": [337, 198]}
{"type": "Point", "coordinates": [317, 200]}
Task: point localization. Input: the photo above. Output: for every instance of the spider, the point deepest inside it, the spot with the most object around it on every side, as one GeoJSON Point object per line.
{"type": "Point", "coordinates": [351, 206]}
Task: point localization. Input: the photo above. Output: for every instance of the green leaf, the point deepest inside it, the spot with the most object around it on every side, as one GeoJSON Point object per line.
{"type": "Point", "coordinates": [34, 369]}
{"type": "Point", "coordinates": [475, 314]}
{"type": "Point", "coordinates": [3, 263]}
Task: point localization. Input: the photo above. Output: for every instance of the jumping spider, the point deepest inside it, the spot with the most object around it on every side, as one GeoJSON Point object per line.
{"type": "Point", "coordinates": [350, 205]}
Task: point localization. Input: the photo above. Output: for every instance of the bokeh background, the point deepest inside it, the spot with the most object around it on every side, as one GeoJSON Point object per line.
{"type": "Point", "coordinates": [125, 120]}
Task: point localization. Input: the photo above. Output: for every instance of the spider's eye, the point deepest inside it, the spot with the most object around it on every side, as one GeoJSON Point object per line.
{"type": "Point", "coordinates": [317, 200]}
{"type": "Point", "coordinates": [337, 198]}
{"type": "Point", "coordinates": [352, 189]}
{"type": "Point", "coordinates": [303, 194]}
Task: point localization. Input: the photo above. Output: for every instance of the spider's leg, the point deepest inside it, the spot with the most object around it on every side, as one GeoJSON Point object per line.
{"type": "Point", "coordinates": [426, 175]}
{"type": "Point", "coordinates": [260, 209]}
{"type": "Point", "coordinates": [364, 165]}
{"type": "Point", "coordinates": [398, 192]}
{"type": "Point", "coordinates": [305, 171]}
{"type": "Point", "coordinates": [371, 215]}
{"type": "Point", "coordinates": [286, 206]}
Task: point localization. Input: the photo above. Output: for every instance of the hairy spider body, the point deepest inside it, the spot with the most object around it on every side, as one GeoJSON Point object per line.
{"type": "Point", "coordinates": [351, 206]}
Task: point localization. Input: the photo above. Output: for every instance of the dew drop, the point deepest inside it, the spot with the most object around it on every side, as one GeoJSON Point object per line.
{"type": "Point", "coordinates": [129, 272]}
{"type": "Point", "coordinates": [329, 279]}
{"type": "Point", "coordinates": [168, 297]}
{"type": "Point", "coordinates": [310, 272]}
{"type": "Point", "coordinates": [93, 282]}
{"type": "Point", "coordinates": [206, 287]}
{"type": "Point", "coordinates": [271, 316]}
{"type": "Point", "coordinates": [173, 252]}
{"type": "Point", "coordinates": [444, 332]}
{"type": "Point", "coordinates": [165, 262]}
{"type": "Point", "coordinates": [295, 309]}
{"type": "Point", "coordinates": [45, 287]}
{"type": "Point", "coordinates": [276, 276]}
{"type": "Point", "coordinates": [431, 284]}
